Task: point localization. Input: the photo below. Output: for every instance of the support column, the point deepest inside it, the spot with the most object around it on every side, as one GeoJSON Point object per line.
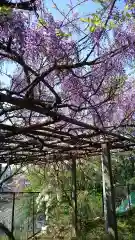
{"type": "Point", "coordinates": [33, 214]}
{"type": "Point", "coordinates": [74, 196]}
{"type": "Point", "coordinates": [0, 175]}
{"type": "Point", "coordinates": [108, 194]}
{"type": "Point", "coordinates": [0, 168]}
{"type": "Point", "coordinates": [13, 213]}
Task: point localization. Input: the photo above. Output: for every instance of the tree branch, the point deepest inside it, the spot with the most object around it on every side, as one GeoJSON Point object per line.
{"type": "Point", "coordinates": [27, 5]}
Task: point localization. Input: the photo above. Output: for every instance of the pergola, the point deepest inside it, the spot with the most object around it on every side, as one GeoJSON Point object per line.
{"type": "Point", "coordinates": [54, 134]}
{"type": "Point", "coordinates": [39, 131]}
{"type": "Point", "coordinates": [48, 135]}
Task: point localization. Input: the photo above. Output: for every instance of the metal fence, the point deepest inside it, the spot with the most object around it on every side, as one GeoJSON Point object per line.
{"type": "Point", "coordinates": [18, 211]}
{"type": "Point", "coordinates": [123, 192]}
{"type": "Point", "coordinates": [19, 214]}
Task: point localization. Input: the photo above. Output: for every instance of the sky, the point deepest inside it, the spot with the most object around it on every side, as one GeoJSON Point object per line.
{"type": "Point", "coordinates": [7, 68]}
{"type": "Point", "coordinates": [84, 8]}
{"type": "Point", "coordinates": [89, 6]}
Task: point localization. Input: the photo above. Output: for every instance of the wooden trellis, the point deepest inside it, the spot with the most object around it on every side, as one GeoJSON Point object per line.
{"type": "Point", "coordinates": [50, 136]}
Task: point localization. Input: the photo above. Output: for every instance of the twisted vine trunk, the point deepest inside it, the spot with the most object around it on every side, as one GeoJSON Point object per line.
{"type": "Point", "coordinates": [6, 231]}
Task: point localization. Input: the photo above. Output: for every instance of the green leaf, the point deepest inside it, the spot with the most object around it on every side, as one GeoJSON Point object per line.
{"type": "Point", "coordinates": [96, 19]}
{"type": "Point", "coordinates": [67, 34]}
{"type": "Point", "coordinates": [126, 7]}
{"type": "Point", "coordinates": [97, 22]}
{"type": "Point", "coordinates": [92, 28]}
{"type": "Point", "coordinates": [116, 17]}
{"type": "Point", "coordinates": [112, 24]}
{"type": "Point", "coordinates": [87, 20]}
{"type": "Point", "coordinates": [41, 22]}
{"type": "Point", "coordinates": [128, 15]}
{"type": "Point", "coordinates": [132, 6]}
{"type": "Point", "coordinates": [5, 10]}
{"type": "Point", "coordinates": [59, 33]}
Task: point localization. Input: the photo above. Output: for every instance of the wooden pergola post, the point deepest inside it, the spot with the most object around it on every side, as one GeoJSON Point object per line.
{"type": "Point", "coordinates": [74, 196]}
{"type": "Point", "coordinates": [0, 175]}
{"type": "Point", "coordinates": [108, 194]}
